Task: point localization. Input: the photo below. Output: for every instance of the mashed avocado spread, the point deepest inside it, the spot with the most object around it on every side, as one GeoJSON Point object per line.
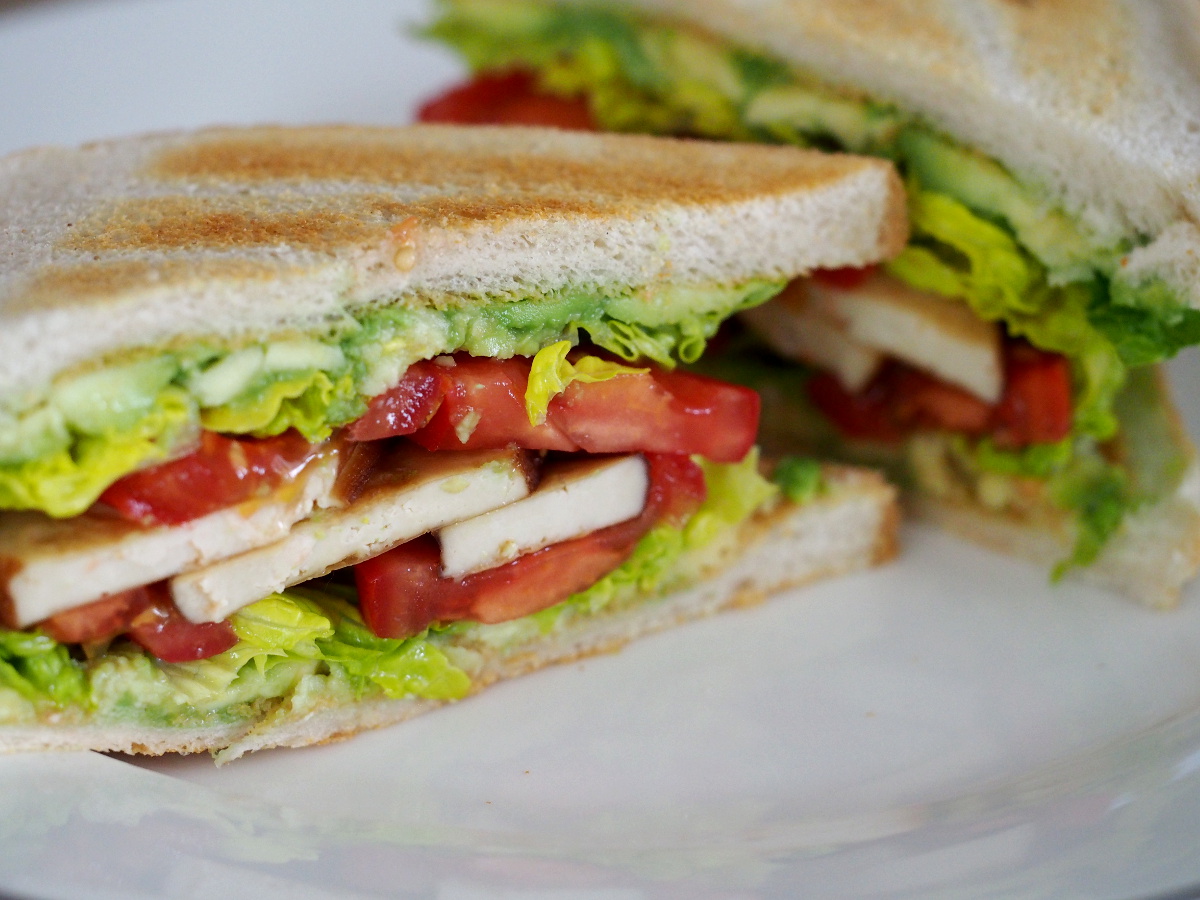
{"type": "Point", "coordinates": [980, 233]}
{"type": "Point", "coordinates": [60, 454]}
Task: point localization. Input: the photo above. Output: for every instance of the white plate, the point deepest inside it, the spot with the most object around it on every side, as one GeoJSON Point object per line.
{"type": "Point", "coordinates": [949, 725]}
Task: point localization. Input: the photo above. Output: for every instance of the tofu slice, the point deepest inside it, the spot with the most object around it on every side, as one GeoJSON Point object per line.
{"type": "Point", "coordinates": [412, 492]}
{"type": "Point", "coordinates": [796, 328]}
{"type": "Point", "coordinates": [50, 565]}
{"type": "Point", "coordinates": [851, 331]}
{"type": "Point", "coordinates": [937, 334]}
{"type": "Point", "coordinates": [574, 498]}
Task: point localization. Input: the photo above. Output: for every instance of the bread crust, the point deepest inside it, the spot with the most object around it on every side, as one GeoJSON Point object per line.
{"type": "Point", "coordinates": [1154, 555]}
{"type": "Point", "coordinates": [230, 235]}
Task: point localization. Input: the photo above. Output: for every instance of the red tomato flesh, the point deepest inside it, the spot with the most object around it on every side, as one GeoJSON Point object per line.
{"type": "Point", "coordinates": [224, 471]}
{"type": "Point", "coordinates": [660, 412]}
{"type": "Point", "coordinates": [507, 98]}
{"type": "Point", "coordinates": [162, 630]}
{"type": "Point", "coordinates": [927, 402]}
{"type": "Point", "coordinates": [1034, 408]}
{"type": "Point", "coordinates": [402, 591]}
{"type": "Point", "coordinates": [98, 621]}
{"type": "Point", "coordinates": [845, 279]}
{"type": "Point", "coordinates": [484, 409]}
{"type": "Point", "coordinates": [150, 619]}
{"type": "Point", "coordinates": [406, 407]}
{"type": "Point", "coordinates": [862, 416]}
{"type": "Point", "coordinates": [653, 412]}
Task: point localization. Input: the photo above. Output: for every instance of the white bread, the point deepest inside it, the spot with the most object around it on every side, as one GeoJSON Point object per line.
{"type": "Point", "coordinates": [1096, 101]}
{"type": "Point", "coordinates": [239, 234]}
{"type": "Point", "coordinates": [1156, 552]}
{"type": "Point", "coordinates": [1157, 549]}
{"type": "Point", "coordinates": [850, 525]}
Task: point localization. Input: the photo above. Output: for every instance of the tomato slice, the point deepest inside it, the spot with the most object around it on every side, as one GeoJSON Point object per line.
{"type": "Point", "coordinates": [98, 621]}
{"type": "Point", "coordinates": [507, 98]}
{"type": "Point", "coordinates": [402, 592]}
{"type": "Point", "coordinates": [653, 412]}
{"type": "Point", "coordinates": [660, 412]}
{"type": "Point", "coordinates": [151, 620]}
{"type": "Point", "coordinates": [676, 488]}
{"type": "Point", "coordinates": [475, 101]}
{"type": "Point", "coordinates": [162, 630]}
{"type": "Point", "coordinates": [1034, 408]}
{"type": "Point", "coordinates": [923, 401]}
{"type": "Point", "coordinates": [845, 279]}
{"type": "Point", "coordinates": [222, 472]}
{"type": "Point", "coordinates": [484, 409]}
{"type": "Point", "coordinates": [406, 407]}
{"type": "Point", "coordinates": [865, 415]}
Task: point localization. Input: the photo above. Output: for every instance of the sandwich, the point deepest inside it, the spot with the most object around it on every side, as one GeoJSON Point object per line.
{"type": "Point", "coordinates": [307, 430]}
{"type": "Point", "coordinates": [1004, 365]}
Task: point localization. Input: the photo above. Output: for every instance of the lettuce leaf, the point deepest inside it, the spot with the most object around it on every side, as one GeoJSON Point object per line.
{"type": "Point", "coordinates": [1145, 320]}
{"type": "Point", "coordinates": [956, 253]}
{"type": "Point", "coordinates": [401, 668]}
{"type": "Point", "coordinates": [1097, 491]}
{"type": "Point", "coordinates": [305, 630]}
{"type": "Point", "coordinates": [40, 669]}
{"type": "Point", "coordinates": [70, 479]}
{"type": "Point", "coordinates": [281, 624]}
{"type": "Point", "coordinates": [799, 478]}
{"type": "Point", "coordinates": [311, 402]}
{"type": "Point", "coordinates": [552, 372]}
{"type": "Point", "coordinates": [1077, 478]}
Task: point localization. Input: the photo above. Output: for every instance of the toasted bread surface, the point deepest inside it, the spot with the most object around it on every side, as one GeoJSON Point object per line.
{"type": "Point", "coordinates": [242, 234]}
{"type": "Point", "coordinates": [1097, 100]}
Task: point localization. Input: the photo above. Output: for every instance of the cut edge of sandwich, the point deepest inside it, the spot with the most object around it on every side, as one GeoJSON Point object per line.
{"type": "Point", "coordinates": [849, 525]}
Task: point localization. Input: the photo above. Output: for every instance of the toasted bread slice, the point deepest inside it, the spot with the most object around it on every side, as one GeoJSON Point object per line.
{"type": "Point", "coordinates": [235, 235]}
{"type": "Point", "coordinates": [1097, 102]}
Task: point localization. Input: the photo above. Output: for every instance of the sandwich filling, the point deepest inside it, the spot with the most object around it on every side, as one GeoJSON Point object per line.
{"type": "Point", "coordinates": [993, 362]}
{"type": "Point", "coordinates": [197, 537]}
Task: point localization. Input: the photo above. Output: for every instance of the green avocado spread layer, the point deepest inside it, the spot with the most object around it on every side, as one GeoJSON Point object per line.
{"type": "Point", "coordinates": [59, 454]}
{"type": "Point", "coordinates": [979, 233]}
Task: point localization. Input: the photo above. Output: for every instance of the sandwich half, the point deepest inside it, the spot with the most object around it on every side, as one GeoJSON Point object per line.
{"type": "Point", "coordinates": [1003, 365]}
{"type": "Point", "coordinates": [304, 431]}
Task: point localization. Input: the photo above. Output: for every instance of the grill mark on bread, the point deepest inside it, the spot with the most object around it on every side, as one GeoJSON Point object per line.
{"type": "Point", "coordinates": [89, 281]}
{"type": "Point", "coordinates": [172, 223]}
{"type": "Point", "coordinates": [485, 182]}
{"type": "Point", "coordinates": [185, 223]}
{"type": "Point", "coordinates": [488, 191]}
{"type": "Point", "coordinates": [1081, 43]}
